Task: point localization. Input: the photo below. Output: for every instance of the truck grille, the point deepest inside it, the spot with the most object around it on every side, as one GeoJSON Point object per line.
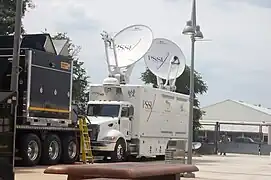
{"type": "Point", "coordinates": [94, 131]}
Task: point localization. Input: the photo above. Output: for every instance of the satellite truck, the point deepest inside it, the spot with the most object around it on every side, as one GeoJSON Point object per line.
{"type": "Point", "coordinates": [138, 120]}
{"type": "Point", "coordinates": [46, 132]}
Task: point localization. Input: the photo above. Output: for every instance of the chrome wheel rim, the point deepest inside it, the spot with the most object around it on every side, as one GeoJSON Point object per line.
{"type": "Point", "coordinates": [72, 149]}
{"type": "Point", "coordinates": [53, 150]}
{"type": "Point", "coordinates": [119, 152]}
{"type": "Point", "coordinates": [32, 150]}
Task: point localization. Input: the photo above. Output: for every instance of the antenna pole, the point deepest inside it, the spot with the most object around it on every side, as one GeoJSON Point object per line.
{"type": "Point", "coordinates": [115, 55]}
{"type": "Point", "coordinates": [191, 103]}
{"type": "Point", "coordinates": [106, 41]}
{"type": "Point", "coordinates": [193, 30]}
{"type": "Point", "coordinates": [107, 58]}
{"type": "Point", "coordinates": [169, 69]}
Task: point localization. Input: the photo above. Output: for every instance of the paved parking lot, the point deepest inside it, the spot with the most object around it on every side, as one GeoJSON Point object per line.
{"type": "Point", "coordinates": [231, 167]}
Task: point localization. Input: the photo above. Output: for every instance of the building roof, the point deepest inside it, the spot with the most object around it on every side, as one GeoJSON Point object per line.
{"type": "Point", "coordinates": [255, 107]}
{"type": "Point", "coordinates": [239, 128]}
{"type": "Point", "coordinates": [252, 106]}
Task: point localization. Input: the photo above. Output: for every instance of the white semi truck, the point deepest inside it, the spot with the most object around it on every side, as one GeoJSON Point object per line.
{"type": "Point", "coordinates": [135, 120]}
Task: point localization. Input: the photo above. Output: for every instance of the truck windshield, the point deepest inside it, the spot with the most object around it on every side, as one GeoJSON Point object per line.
{"type": "Point", "coordinates": [111, 110]}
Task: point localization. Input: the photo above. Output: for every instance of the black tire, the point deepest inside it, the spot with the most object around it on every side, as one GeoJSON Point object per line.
{"type": "Point", "coordinates": [119, 154]}
{"type": "Point", "coordinates": [30, 140]}
{"type": "Point", "coordinates": [68, 145]}
{"type": "Point", "coordinates": [46, 158]}
{"type": "Point", "coordinates": [132, 158]}
{"type": "Point", "coordinates": [160, 157]}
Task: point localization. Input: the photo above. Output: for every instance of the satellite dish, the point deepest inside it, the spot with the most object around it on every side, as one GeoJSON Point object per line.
{"type": "Point", "coordinates": [131, 44]}
{"type": "Point", "coordinates": [196, 145]}
{"type": "Point", "coordinates": [165, 60]}
{"type": "Point", "coordinates": [161, 55]}
{"type": "Point", "coordinates": [126, 48]}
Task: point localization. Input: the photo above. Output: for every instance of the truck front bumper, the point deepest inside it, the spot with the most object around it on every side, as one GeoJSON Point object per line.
{"type": "Point", "coordinates": [103, 146]}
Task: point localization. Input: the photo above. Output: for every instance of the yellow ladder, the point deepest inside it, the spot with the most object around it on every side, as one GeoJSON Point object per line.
{"type": "Point", "coordinates": [85, 145]}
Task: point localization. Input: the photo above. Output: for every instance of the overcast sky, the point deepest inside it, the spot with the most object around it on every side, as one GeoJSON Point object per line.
{"type": "Point", "coordinates": [236, 64]}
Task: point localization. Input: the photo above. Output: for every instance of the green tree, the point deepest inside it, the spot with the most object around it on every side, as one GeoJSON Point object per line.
{"type": "Point", "coordinates": [80, 77]}
{"type": "Point", "coordinates": [182, 86]}
{"type": "Point", "coordinates": [7, 15]}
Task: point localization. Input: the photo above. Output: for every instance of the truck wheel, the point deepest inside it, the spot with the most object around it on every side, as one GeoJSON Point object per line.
{"type": "Point", "coordinates": [51, 150]}
{"type": "Point", "coordinates": [30, 149]}
{"type": "Point", "coordinates": [70, 150]}
{"type": "Point", "coordinates": [119, 154]}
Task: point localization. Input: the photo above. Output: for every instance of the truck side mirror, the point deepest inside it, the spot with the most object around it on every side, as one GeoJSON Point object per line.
{"type": "Point", "coordinates": [119, 121]}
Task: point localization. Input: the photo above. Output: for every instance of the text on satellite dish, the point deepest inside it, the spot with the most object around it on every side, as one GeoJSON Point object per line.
{"type": "Point", "coordinates": [158, 59]}
{"type": "Point", "coordinates": [162, 42]}
{"type": "Point", "coordinates": [137, 28]}
{"type": "Point", "coordinates": [127, 47]}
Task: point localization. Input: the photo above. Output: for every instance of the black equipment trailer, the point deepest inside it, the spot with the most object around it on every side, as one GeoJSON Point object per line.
{"type": "Point", "coordinates": [46, 133]}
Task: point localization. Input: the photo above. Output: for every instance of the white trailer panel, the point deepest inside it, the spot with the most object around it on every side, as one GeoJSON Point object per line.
{"type": "Point", "coordinates": [159, 116]}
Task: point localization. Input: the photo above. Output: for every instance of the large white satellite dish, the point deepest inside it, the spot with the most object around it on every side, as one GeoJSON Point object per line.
{"type": "Point", "coordinates": [126, 48]}
{"type": "Point", "coordinates": [166, 61]}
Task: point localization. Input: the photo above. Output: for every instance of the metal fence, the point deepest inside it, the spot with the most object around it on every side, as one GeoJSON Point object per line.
{"type": "Point", "coordinates": [243, 138]}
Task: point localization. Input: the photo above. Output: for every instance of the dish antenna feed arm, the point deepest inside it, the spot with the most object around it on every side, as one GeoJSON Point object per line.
{"type": "Point", "coordinates": [122, 74]}
{"type": "Point", "coordinates": [108, 43]}
{"type": "Point", "coordinates": [170, 83]}
{"type": "Point", "coordinates": [124, 49]}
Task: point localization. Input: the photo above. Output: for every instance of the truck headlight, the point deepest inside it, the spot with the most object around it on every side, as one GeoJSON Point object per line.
{"type": "Point", "coordinates": [109, 138]}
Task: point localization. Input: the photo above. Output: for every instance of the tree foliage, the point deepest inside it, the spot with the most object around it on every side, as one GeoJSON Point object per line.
{"type": "Point", "coordinates": [182, 86]}
{"type": "Point", "coordinates": [7, 15]}
{"type": "Point", "coordinates": [80, 77]}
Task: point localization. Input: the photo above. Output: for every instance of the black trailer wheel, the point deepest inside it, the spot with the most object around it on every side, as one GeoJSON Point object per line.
{"type": "Point", "coordinates": [51, 150]}
{"type": "Point", "coordinates": [30, 149]}
{"type": "Point", "coordinates": [119, 154]}
{"type": "Point", "coordinates": [70, 150]}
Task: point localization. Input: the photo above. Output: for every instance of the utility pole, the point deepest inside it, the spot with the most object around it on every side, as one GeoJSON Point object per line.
{"type": "Point", "coordinates": [193, 30]}
{"type": "Point", "coordinates": [15, 64]}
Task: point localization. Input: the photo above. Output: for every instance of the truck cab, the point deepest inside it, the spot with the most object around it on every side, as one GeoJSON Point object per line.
{"type": "Point", "coordinates": [113, 122]}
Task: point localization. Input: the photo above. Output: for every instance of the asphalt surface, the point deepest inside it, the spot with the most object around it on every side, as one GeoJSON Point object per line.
{"type": "Point", "coordinates": [230, 167]}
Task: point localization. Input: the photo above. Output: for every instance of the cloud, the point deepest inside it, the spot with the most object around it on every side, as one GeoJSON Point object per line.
{"type": "Point", "coordinates": [234, 64]}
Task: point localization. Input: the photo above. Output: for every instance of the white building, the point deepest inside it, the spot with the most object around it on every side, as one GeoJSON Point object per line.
{"type": "Point", "coordinates": [236, 112]}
